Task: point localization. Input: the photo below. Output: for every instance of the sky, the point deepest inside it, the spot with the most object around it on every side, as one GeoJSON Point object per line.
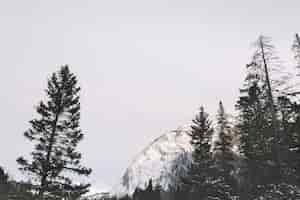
{"type": "Point", "coordinates": [145, 67]}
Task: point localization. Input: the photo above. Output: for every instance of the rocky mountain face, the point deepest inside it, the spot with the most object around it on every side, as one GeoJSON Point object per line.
{"type": "Point", "coordinates": [164, 161]}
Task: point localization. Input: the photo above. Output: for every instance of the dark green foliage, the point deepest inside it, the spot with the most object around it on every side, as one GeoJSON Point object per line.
{"type": "Point", "coordinates": [296, 49]}
{"type": "Point", "coordinates": [22, 191]}
{"type": "Point", "coordinates": [150, 193]}
{"type": "Point", "coordinates": [180, 194]}
{"type": "Point", "coordinates": [4, 184]}
{"type": "Point", "coordinates": [289, 141]}
{"type": "Point", "coordinates": [224, 143]}
{"type": "Point", "coordinates": [200, 175]}
{"type": "Point", "coordinates": [209, 176]}
{"type": "Point", "coordinates": [253, 124]}
{"type": "Point", "coordinates": [253, 128]}
{"type": "Point", "coordinates": [56, 134]}
{"type": "Point", "coordinates": [280, 191]}
{"type": "Point", "coordinates": [125, 198]}
{"type": "Point", "coordinates": [201, 137]}
{"type": "Point", "coordinates": [10, 189]}
{"type": "Point", "coordinates": [225, 184]}
{"type": "Point", "coordinates": [267, 128]}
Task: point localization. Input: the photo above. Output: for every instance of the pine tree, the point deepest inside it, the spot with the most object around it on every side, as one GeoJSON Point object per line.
{"type": "Point", "coordinates": [199, 178]}
{"type": "Point", "coordinates": [264, 121]}
{"type": "Point", "coordinates": [263, 62]}
{"type": "Point", "coordinates": [296, 49]}
{"type": "Point", "coordinates": [254, 127]}
{"type": "Point", "coordinates": [294, 112]}
{"type": "Point", "coordinates": [149, 191]}
{"type": "Point", "coordinates": [4, 185]}
{"type": "Point", "coordinates": [201, 137]}
{"type": "Point", "coordinates": [274, 81]}
{"type": "Point", "coordinates": [224, 144]}
{"type": "Point", "coordinates": [224, 156]}
{"type": "Point", "coordinates": [11, 189]}
{"type": "Point", "coordinates": [56, 134]}
{"type": "Point", "coordinates": [289, 128]}
{"type": "Point", "coordinates": [252, 124]}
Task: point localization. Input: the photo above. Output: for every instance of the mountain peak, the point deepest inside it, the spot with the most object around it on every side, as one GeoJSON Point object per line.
{"type": "Point", "coordinates": [163, 161]}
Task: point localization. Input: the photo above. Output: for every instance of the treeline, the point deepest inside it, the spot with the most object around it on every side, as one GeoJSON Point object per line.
{"type": "Point", "coordinates": [256, 155]}
{"type": "Point", "coordinates": [10, 189]}
{"type": "Point", "coordinates": [149, 193]}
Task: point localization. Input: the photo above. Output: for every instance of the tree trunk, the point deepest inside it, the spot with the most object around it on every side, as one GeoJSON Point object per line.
{"type": "Point", "coordinates": [275, 126]}
{"type": "Point", "coordinates": [297, 39]}
{"type": "Point", "coordinates": [49, 152]}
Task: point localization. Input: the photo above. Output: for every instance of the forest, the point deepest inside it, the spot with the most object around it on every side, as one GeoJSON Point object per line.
{"type": "Point", "coordinates": [256, 156]}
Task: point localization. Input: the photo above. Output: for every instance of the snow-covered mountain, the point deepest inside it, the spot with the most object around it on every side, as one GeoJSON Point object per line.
{"type": "Point", "coordinates": [163, 161]}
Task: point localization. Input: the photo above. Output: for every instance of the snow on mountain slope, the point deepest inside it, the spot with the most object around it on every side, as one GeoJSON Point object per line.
{"type": "Point", "coordinates": [163, 161]}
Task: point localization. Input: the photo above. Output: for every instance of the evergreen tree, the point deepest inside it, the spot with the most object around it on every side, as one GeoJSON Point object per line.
{"type": "Point", "coordinates": [273, 83]}
{"type": "Point", "coordinates": [224, 156]}
{"type": "Point", "coordinates": [4, 185]}
{"type": "Point", "coordinates": [149, 191]}
{"type": "Point", "coordinates": [294, 112]}
{"type": "Point", "coordinates": [256, 142]}
{"type": "Point", "coordinates": [224, 144]}
{"type": "Point", "coordinates": [56, 134]}
{"type": "Point", "coordinates": [199, 178]}
{"type": "Point", "coordinates": [263, 62]}
{"type": "Point", "coordinates": [255, 132]}
{"type": "Point", "coordinates": [264, 122]}
{"type": "Point", "coordinates": [10, 189]}
{"type": "Point", "coordinates": [289, 141]}
{"type": "Point", "coordinates": [296, 49]}
{"type": "Point", "coordinates": [21, 191]}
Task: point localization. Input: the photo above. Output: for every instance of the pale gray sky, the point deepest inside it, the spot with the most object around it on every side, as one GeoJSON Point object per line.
{"type": "Point", "coordinates": [144, 66]}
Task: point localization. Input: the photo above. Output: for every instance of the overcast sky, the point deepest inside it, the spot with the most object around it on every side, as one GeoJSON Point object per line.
{"type": "Point", "coordinates": [144, 66]}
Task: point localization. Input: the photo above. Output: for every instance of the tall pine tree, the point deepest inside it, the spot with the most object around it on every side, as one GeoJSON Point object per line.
{"type": "Point", "coordinates": [199, 178]}
{"type": "Point", "coordinates": [224, 157]}
{"type": "Point", "coordinates": [296, 49]}
{"type": "Point", "coordinates": [224, 143]}
{"type": "Point", "coordinates": [293, 111]}
{"type": "Point", "coordinates": [264, 121]}
{"type": "Point", "coordinates": [265, 61]}
{"type": "Point", "coordinates": [255, 122]}
{"type": "Point", "coordinates": [56, 134]}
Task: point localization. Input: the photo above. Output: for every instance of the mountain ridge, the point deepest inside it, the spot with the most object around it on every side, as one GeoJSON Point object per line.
{"type": "Point", "coordinates": [157, 161]}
